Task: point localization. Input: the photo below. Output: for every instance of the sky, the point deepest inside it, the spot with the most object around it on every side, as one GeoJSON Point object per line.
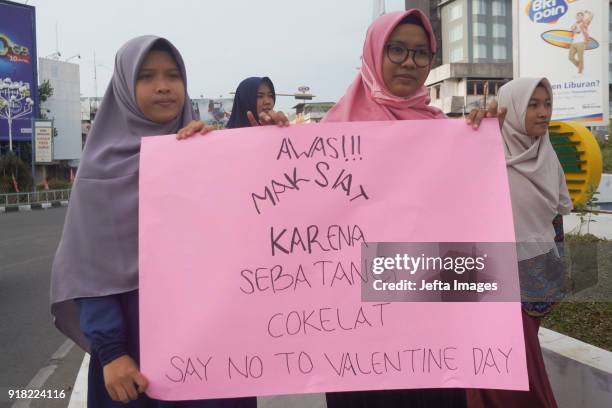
{"type": "Point", "coordinates": [316, 43]}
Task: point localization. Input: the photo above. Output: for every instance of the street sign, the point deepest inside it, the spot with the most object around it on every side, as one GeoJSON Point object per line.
{"type": "Point", "coordinates": [43, 141]}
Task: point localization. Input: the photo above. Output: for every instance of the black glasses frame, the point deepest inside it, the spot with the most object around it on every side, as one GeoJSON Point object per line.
{"type": "Point", "coordinates": [411, 53]}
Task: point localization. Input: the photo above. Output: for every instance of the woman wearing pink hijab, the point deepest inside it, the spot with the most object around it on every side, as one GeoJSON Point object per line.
{"type": "Point", "coordinates": [397, 57]}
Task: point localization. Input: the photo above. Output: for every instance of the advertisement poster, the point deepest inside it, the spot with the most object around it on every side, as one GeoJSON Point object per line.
{"type": "Point", "coordinates": [18, 86]}
{"type": "Point", "coordinates": [214, 111]}
{"type": "Point", "coordinates": [567, 41]}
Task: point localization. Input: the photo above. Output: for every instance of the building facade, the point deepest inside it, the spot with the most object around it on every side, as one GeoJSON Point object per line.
{"type": "Point", "coordinates": [311, 112]}
{"type": "Point", "coordinates": [63, 107]}
{"type": "Point", "coordinates": [474, 51]}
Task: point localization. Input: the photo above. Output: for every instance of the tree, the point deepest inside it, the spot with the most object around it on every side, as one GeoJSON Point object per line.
{"type": "Point", "coordinates": [45, 91]}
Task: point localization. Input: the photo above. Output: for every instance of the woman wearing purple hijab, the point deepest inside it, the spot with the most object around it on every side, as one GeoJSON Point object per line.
{"type": "Point", "coordinates": [94, 282]}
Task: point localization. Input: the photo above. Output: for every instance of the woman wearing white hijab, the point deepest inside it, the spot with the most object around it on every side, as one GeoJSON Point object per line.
{"type": "Point", "coordinates": [537, 181]}
{"type": "Point", "coordinates": [539, 197]}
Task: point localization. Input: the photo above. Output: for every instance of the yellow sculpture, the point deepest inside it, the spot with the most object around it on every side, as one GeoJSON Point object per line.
{"type": "Point", "coordinates": [580, 156]}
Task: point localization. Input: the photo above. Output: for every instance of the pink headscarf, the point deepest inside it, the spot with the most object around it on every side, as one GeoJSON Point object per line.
{"type": "Point", "coordinates": [368, 98]}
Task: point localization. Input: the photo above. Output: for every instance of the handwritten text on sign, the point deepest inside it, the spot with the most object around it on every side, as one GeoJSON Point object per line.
{"type": "Point", "coordinates": [250, 259]}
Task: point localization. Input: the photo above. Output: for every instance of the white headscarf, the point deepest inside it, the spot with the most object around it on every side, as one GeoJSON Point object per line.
{"type": "Point", "coordinates": [537, 183]}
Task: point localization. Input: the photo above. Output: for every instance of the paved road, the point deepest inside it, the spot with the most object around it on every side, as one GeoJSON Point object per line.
{"type": "Point", "coordinates": [30, 344]}
{"type": "Point", "coordinates": [27, 336]}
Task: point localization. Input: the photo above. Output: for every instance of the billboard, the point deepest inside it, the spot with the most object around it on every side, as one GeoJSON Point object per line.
{"type": "Point", "coordinates": [64, 106]}
{"type": "Point", "coordinates": [18, 85]}
{"type": "Point", "coordinates": [43, 141]}
{"type": "Point", "coordinates": [214, 111]}
{"type": "Point", "coordinates": [567, 42]}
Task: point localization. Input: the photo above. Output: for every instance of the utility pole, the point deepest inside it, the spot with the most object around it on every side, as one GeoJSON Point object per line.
{"type": "Point", "coordinates": [95, 82]}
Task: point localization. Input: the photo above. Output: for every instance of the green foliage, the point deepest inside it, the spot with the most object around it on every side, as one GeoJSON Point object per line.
{"type": "Point", "coordinates": [606, 155]}
{"type": "Point", "coordinates": [587, 316]}
{"type": "Point", "coordinates": [25, 152]}
{"type": "Point", "coordinates": [45, 91]}
{"type": "Point", "coordinates": [12, 165]}
{"type": "Point", "coordinates": [585, 210]}
{"type": "Point", "coordinates": [56, 184]}
{"type": "Point", "coordinates": [590, 322]}
{"type": "Point", "coordinates": [583, 238]}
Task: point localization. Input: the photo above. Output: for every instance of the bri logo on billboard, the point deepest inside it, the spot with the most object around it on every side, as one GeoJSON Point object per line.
{"type": "Point", "coordinates": [13, 52]}
{"type": "Point", "coordinates": [546, 11]}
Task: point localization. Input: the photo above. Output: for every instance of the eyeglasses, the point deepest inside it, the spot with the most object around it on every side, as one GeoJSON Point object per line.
{"type": "Point", "coordinates": [398, 53]}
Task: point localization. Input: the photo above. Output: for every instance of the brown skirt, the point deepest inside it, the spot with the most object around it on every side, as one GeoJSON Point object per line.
{"type": "Point", "coordinates": [413, 398]}
{"type": "Point", "coordinates": [540, 393]}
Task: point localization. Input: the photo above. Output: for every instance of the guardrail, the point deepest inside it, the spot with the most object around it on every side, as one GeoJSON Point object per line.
{"type": "Point", "coordinates": [43, 196]}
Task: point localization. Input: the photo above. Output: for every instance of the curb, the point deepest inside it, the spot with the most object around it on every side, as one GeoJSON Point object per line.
{"type": "Point", "coordinates": [33, 207]}
{"type": "Point", "coordinates": [78, 398]}
{"type": "Point", "coordinates": [580, 373]}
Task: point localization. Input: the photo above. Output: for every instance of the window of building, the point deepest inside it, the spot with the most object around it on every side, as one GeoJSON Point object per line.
{"type": "Point", "coordinates": [479, 7]}
{"type": "Point", "coordinates": [480, 51]}
{"type": "Point", "coordinates": [456, 33]}
{"type": "Point", "coordinates": [499, 30]}
{"type": "Point", "coordinates": [480, 30]}
{"type": "Point", "coordinates": [434, 92]}
{"type": "Point", "coordinates": [500, 52]}
{"type": "Point", "coordinates": [498, 7]}
{"type": "Point", "coordinates": [496, 86]}
{"type": "Point", "coordinates": [456, 54]}
{"type": "Point", "coordinates": [456, 11]}
{"type": "Point", "coordinates": [476, 87]}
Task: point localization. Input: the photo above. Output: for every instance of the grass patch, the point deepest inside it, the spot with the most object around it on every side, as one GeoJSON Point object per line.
{"type": "Point", "coordinates": [606, 155]}
{"type": "Point", "coordinates": [590, 322]}
{"type": "Point", "coordinates": [587, 315]}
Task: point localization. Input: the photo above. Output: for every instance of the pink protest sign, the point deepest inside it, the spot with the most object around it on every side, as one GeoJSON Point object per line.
{"type": "Point", "coordinates": [250, 268]}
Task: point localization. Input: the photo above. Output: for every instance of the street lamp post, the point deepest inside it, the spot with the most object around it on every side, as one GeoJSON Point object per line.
{"type": "Point", "coordinates": [15, 102]}
{"type": "Point", "coordinates": [74, 56]}
{"type": "Point", "coordinates": [95, 68]}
